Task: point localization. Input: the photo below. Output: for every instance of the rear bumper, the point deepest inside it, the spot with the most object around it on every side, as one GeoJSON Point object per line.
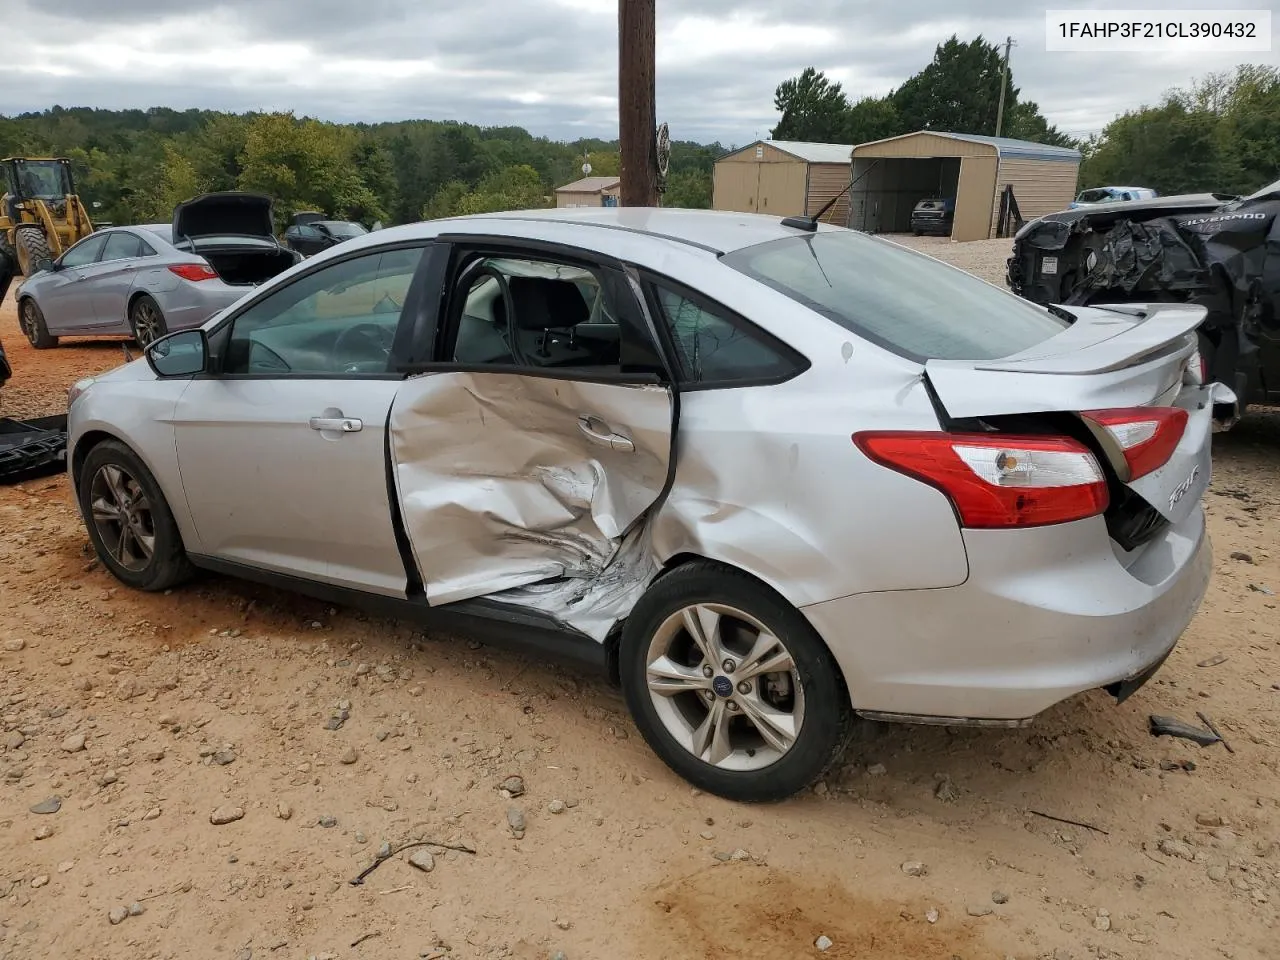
{"type": "Point", "coordinates": [1046, 614]}
{"type": "Point", "coordinates": [931, 226]}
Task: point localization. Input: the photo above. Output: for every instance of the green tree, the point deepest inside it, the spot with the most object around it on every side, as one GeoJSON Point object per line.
{"type": "Point", "coordinates": [812, 107]}
{"type": "Point", "coordinates": [688, 188]}
{"type": "Point", "coordinates": [871, 118]}
{"type": "Point", "coordinates": [447, 201]}
{"type": "Point", "coordinates": [959, 91]}
{"type": "Point", "coordinates": [512, 188]}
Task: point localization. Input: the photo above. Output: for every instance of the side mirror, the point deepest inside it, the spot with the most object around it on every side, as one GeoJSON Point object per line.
{"type": "Point", "coordinates": [44, 265]}
{"type": "Point", "coordinates": [181, 354]}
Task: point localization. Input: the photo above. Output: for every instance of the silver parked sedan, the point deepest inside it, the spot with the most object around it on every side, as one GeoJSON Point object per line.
{"type": "Point", "coordinates": [768, 473]}
{"type": "Point", "coordinates": [147, 280]}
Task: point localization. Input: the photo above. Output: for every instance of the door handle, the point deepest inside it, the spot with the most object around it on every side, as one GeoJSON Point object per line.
{"type": "Point", "coordinates": [615, 441]}
{"type": "Point", "coordinates": [337, 424]}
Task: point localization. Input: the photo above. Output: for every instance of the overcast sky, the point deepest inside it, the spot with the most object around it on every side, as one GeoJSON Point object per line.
{"type": "Point", "coordinates": [547, 65]}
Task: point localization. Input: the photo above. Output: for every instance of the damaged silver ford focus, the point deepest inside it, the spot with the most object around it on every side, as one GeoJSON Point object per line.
{"type": "Point", "coordinates": [769, 474]}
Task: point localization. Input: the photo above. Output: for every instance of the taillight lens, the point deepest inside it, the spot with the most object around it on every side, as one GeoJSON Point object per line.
{"type": "Point", "coordinates": [998, 481]}
{"type": "Point", "coordinates": [1146, 436]}
{"type": "Point", "coordinates": [195, 272]}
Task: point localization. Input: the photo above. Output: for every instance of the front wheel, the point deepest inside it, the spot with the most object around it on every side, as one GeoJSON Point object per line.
{"type": "Point", "coordinates": [31, 319]}
{"type": "Point", "coordinates": [731, 686]}
{"type": "Point", "coordinates": [129, 521]}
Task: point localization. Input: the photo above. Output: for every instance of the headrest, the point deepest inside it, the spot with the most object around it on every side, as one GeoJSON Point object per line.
{"type": "Point", "coordinates": [540, 303]}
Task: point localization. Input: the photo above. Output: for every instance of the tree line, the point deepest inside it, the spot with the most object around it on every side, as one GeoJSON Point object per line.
{"type": "Point", "coordinates": [1219, 134]}
{"type": "Point", "coordinates": [135, 165]}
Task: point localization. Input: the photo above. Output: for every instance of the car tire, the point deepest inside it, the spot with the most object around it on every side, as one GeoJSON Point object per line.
{"type": "Point", "coordinates": [129, 521]}
{"type": "Point", "coordinates": [146, 321]}
{"type": "Point", "coordinates": [806, 696]}
{"type": "Point", "coordinates": [31, 319]}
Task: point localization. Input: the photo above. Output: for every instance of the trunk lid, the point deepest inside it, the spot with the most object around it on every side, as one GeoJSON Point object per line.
{"type": "Point", "coordinates": [1117, 357]}
{"type": "Point", "coordinates": [229, 214]}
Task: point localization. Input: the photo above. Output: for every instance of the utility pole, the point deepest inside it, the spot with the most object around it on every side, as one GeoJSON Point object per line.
{"type": "Point", "coordinates": [637, 112]}
{"type": "Point", "coordinates": [1004, 82]}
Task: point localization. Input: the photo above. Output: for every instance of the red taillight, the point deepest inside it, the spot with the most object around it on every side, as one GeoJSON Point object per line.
{"type": "Point", "coordinates": [1146, 436]}
{"type": "Point", "coordinates": [998, 481]}
{"type": "Point", "coordinates": [195, 272]}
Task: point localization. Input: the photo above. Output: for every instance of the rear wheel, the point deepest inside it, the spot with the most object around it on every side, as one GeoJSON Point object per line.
{"type": "Point", "coordinates": [147, 321]}
{"type": "Point", "coordinates": [129, 521]}
{"type": "Point", "coordinates": [31, 319]}
{"type": "Point", "coordinates": [731, 686]}
{"type": "Point", "coordinates": [32, 246]}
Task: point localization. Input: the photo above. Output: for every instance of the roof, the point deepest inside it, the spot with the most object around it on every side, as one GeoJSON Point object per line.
{"type": "Point", "coordinates": [717, 231]}
{"type": "Point", "coordinates": [590, 185]}
{"type": "Point", "coordinates": [1005, 147]}
{"type": "Point", "coordinates": [801, 150]}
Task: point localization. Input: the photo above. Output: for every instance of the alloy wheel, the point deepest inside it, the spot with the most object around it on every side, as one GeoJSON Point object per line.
{"type": "Point", "coordinates": [725, 687]}
{"type": "Point", "coordinates": [122, 517]}
{"type": "Point", "coordinates": [146, 323]}
{"type": "Point", "coordinates": [28, 321]}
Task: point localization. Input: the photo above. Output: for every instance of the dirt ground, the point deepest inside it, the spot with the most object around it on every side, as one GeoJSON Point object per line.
{"type": "Point", "coordinates": [147, 714]}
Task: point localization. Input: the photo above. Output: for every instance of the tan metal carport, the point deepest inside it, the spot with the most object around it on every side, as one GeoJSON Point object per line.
{"type": "Point", "coordinates": [972, 169]}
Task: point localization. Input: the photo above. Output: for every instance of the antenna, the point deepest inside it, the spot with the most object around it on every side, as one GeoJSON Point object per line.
{"type": "Point", "coordinates": [810, 224]}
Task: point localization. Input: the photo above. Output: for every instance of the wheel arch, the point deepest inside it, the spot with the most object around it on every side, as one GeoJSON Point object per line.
{"type": "Point", "coordinates": [683, 559]}
{"type": "Point", "coordinates": [96, 436]}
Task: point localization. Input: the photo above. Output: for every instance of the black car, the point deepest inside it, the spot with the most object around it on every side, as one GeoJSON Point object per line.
{"type": "Point", "coordinates": [1211, 250]}
{"type": "Point", "coordinates": [934, 215]}
{"type": "Point", "coordinates": [312, 236]}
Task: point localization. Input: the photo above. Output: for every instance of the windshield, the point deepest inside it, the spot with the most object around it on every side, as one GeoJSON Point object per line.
{"type": "Point", "coordinates": [42, 180]}
{"type": "Point", "coordinates": [1093, 196]}
{"type": "Point", "coordinates": [905, 301]}
{"type": "Point", "coordinates": [340, 228]}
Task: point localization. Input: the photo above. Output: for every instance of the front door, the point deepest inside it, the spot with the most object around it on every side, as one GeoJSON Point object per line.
{"type": "Point", "coordinates": [66, 297]}
{"type": "Point", "coordinates": [283, 452]}
{"type": "Point", "coordinates": [114, 274]}
{"type": "Point", "coordinates": [527, 456]}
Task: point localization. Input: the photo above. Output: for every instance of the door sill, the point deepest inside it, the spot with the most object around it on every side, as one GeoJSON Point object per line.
{"type": "Point", "coordinates": [516, 628]}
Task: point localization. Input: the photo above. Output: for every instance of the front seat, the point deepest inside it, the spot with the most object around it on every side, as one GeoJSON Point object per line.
{"type": "Point", "coordinates": [545, 312]}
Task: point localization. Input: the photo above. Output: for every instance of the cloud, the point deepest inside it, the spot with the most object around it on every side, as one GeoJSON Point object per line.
{"type": "Point", "coordinates": [548, 65]}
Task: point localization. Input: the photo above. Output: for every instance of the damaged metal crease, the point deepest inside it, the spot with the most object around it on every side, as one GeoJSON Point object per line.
{"type": "Point", "coordinates": [552, 532]}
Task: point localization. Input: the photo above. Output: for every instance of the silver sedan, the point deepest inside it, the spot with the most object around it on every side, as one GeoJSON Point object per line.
{"type": "Point", "coordinates": [768, 474]}
{"type": "Point", "coordinates": [138, 282]}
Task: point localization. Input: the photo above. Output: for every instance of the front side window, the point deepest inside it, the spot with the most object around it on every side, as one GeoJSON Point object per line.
{"type": "Point", "coordinates": [85, 252]}
{"type": "Point", "coordinates": [905, 301]}
{"type": "Point", "coordinates": [340, 320]}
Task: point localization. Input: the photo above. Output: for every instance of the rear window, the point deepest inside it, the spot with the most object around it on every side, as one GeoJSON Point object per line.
{"type": "Point", "coordinates": [902, 300]}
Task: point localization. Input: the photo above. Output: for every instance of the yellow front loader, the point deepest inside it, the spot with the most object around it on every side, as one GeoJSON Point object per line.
{"type": "Point", "coordinates": [40, 213]}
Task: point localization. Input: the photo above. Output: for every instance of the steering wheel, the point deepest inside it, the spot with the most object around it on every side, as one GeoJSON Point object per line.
{"type": "Point", "coordinates": [507, 330]}
{"type": "Point", "coordinates": [363, 348]}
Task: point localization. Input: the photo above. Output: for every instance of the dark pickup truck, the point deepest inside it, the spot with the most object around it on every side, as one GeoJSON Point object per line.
{"type": "Point", "coordinates": [1216, 251]}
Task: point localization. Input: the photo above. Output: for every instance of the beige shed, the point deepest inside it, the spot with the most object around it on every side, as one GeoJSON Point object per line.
{"type": "Point", "coordinates": [971, 169]}
{"type": "Point", "coordinates": [784, 178]}
{"type": "Point", "coordinates": [590, 192]}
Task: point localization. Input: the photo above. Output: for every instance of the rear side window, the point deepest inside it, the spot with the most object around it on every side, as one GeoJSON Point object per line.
{"type": "Point", "coordinates": [904, 301]}
{"type": "Point", "coordinates": [715, 348]}
{"type": "Point", "coordinates": [122, 246]}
